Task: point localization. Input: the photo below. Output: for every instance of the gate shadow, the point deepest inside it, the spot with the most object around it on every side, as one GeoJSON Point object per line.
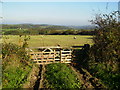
{"type": "Point", "coordinates": [81, 56]}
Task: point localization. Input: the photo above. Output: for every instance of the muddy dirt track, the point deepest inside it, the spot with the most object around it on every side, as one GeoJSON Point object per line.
{"type": "Point", "coordinates": [85, 78]}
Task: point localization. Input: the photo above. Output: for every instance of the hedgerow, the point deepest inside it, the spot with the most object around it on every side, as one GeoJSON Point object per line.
{"type": "Point", "coordinates": [106, 50]}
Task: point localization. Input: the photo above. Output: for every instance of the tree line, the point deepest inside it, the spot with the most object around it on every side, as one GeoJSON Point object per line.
{"type": "Point", "coordinates": [48, 32]}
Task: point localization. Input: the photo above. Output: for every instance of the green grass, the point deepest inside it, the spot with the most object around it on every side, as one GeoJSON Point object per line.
{"type": "Point", "coordinates": [15, 77]}
{"type": "Point", "coordinates": [51, 40]}
{"type": "Point", "coordinates": [61, 76]}
{"type": "Point", "coordinates": [107, 76]}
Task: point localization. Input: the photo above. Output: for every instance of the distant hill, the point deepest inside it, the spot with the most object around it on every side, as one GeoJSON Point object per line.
{"type": "Point", "coordinates": [88, 27]}
{"type": "Point", "coordinates": [38, 26]}
{"type": "Point", "coordinates": [44, 26]}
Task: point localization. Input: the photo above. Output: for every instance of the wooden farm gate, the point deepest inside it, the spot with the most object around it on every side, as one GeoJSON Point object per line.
{"type": "Point", "coordinates": [47, 55]}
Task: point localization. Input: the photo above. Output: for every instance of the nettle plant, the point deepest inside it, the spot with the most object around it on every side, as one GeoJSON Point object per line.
{"type": "Point", "coordinates": [107, 38]}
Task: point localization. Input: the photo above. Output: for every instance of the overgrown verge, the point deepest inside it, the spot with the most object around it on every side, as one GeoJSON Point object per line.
{"type": "Point", "coordinates": [15, 66]}
{"type": "Point", "coordinates": [60, 76]}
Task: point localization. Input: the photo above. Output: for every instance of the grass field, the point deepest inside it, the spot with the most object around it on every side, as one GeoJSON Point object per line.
{"type": "Point", "coordinates": [50, 40]}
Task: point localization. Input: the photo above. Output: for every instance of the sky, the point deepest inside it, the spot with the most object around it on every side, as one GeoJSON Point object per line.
{"type": "Point", "coordinates": [60, 0]}
{"type": "Point", "coordinates": [57, 13]}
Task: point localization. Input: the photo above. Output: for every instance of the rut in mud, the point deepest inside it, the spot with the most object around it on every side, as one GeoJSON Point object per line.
{"type": "Point", "coordinates": [39, 81]}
